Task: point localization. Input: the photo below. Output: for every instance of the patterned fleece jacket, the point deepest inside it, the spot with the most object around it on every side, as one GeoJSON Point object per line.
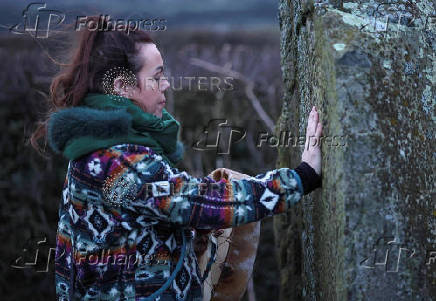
{"type": "Point", "coordinates": [124, 213]}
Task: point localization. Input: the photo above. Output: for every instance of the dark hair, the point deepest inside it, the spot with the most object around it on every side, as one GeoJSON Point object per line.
{"type": "Point", "coordinates": [96, 53]}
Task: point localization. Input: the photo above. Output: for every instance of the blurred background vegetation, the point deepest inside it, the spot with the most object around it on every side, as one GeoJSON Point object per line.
{"type": "Point", "coordinates": [216, 40]}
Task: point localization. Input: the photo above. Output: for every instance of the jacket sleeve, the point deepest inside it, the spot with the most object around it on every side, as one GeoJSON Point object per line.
{"type": "Point", "coordinates": [161, 192]}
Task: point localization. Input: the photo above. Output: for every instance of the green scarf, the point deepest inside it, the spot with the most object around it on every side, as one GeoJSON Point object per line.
{"type": "Point", "coordinates": [105, 120]}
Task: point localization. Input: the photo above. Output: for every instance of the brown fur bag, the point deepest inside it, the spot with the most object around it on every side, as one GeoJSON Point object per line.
{"type": "Point", "coordinates": [235, 255]}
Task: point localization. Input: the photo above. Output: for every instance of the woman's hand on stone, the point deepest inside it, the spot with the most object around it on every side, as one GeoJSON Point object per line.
{"type": "Point", "coordinates": [312, 150]}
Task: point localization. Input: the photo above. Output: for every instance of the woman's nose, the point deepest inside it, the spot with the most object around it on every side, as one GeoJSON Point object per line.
{"type": "Point", "coordinates": [165, 84]}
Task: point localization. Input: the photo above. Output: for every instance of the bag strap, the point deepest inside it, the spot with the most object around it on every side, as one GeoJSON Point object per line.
{"type": "Point", "coordinates": [165, 286]}
{"type": "Point", "coordinates": [212, 258]}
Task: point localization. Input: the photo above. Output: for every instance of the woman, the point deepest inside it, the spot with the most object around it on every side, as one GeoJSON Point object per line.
{"type": "Point", "coordinates": [127, 215]}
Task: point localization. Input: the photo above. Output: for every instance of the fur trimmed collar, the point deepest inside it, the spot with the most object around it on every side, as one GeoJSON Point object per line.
{"type": "Point", "coordinates": [103, 122]}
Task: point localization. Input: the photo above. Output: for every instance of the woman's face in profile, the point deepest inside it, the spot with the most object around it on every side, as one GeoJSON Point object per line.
{"type": "Point", "coordinates": [149, 93]}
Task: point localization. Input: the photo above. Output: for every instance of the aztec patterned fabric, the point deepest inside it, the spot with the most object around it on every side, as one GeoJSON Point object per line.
{"type": "Point", "coordinates": [236, 250]}
{"type": "Point", "coordinates": [122, 212]}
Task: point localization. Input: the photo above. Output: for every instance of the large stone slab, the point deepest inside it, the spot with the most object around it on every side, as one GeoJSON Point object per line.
{"type": "Point", "coordinates": [370, 232]}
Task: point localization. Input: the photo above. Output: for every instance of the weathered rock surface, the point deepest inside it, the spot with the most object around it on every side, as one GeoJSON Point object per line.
{"type": "Point", "coordinates": [370, 232]}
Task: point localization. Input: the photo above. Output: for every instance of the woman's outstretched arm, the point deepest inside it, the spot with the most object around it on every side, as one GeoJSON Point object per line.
{"type": "Point", "coordinates": [165, 193]}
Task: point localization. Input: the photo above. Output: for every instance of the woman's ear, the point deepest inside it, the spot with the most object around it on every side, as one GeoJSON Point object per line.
{"type": "Point", "coordinates": [120, 88]}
